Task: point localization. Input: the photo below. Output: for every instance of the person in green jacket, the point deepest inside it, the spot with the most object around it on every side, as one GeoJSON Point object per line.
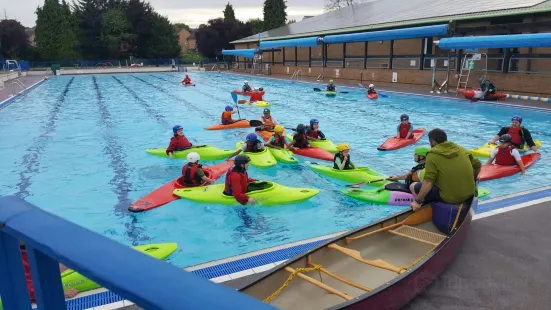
{"type": "Point", "coordinates": [450, 173]}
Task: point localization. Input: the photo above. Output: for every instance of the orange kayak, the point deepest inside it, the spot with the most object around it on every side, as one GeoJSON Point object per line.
{"type": "Point", "coordinates": [239, 124]}
{"type": "Point", "coordinates": [394, 143]}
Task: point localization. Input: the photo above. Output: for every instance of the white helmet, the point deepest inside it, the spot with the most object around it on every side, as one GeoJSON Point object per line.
{"type": "Point", "coordinates": [193, 157]}
{"type": "Point", "coordinates": [371, 85]}
{"type": "Point", "coordinates": [246, 82]}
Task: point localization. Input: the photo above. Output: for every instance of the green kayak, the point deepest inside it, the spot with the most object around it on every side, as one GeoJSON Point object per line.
{"type": "Point", "coordinates": [262, 159]}
{"type": "Point", "coordinates": [283, 155]}
{"type": "Point", "coordinates": [206, 152]}
{"type": "Point", "coordinates": [394, 194]}
{"type": "Point", "coordinates": [265, 193]}
{"type": "Point", "coordinates": [362, 174]}
{"type": "Point", "coordinates": [326, 144]}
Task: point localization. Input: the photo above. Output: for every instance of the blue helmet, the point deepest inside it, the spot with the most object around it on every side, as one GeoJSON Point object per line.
{"type": "Point", "coordinates": [229, 108]}
{"type": "Point", "coordinates": [313, 121]}
{"type": "Point", "coordinates": [517, 118]}
{"type": "Point", "coordinates": [176, 128]}
{"type": "Point", "coordinates": [251, 137]}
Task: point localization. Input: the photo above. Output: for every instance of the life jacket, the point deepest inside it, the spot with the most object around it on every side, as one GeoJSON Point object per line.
{"type": "Point", "coordinates": [226, 117]}
{"type": "Point", "coordinates": [347, 166]}
{"type": "Point", "coordinates": [189, 173]}
{"type": "Point", "coordinates": [244, 180]}
{"type": "Point", "coordinates": [279, 140]}
{"type": "Point", "coordinates": [268, 121]}
{"type": "Point", "coordinates": [253, 148]}
{"type": "Point", "coordinates": [313, 133]}
{"type": "Point", "coordinates": [417, 174]}
{"type": "Point", "coordinates": [182, 143]}
{"type": "Point", "coordinates": [247, 88]}
{"type": "Point", "coordinates": [301, 140]}
{"type": "Point", "coordinates": [371, 91]}
{"type": "Point", "coordinates": [517, 135]}
{"type": "Point", "coordinates": [330, 87]}
{"type": "Point", "coordinates": [187, 80]}
{"type": "Point", "coordinates": [256, 96]}
{"type": "Point", "coordinates": [504, 157]}
{"type": "Point", "coordinates": [404, 129]}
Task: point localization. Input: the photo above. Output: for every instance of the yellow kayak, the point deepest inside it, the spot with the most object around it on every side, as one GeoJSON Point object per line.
{"type": "Point", "coordinates": [284, 155]}
{"type": "Point", "coordinates": [486, 149]}
{"type": "Point", "coordinates": [262, 159]}
{"type": "Point", "coordinates": [262, 104]}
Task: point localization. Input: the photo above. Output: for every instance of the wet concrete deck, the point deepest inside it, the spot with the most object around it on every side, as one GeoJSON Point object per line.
{"type": "Point", "coordinates": [28, 81]}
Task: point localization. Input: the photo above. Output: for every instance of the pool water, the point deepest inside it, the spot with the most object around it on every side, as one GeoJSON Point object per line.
{"type": "Point", "coordinates": [75, 146]}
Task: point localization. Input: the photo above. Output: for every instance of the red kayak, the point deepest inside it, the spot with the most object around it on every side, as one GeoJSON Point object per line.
{"type": "Point", "coordinates": [493, 172]}
{"type": "Point", "coordinates": [372, 96]}
{"type": "Point", "coordinates": [243, 123]}
{"type": "Point", "coordinates": [248, 93]}
{"type": "Point", "coordinates": [315, 152]}
{"type": "Point", "coordinates": [472, 94]}
{"type": "Point", "coordinates": [191, 84]}
{"type": "Point", "coordinates": [163, 194]}
{"type": "Point", "coordinates": [394, 143]}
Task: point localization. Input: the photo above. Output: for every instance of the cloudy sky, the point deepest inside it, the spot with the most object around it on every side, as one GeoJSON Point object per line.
{"type": "Point", "coordinates": [191, 12]}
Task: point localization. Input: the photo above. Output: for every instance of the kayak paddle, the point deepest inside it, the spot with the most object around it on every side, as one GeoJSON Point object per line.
{"type": "Point", "coordinates": [365, 183]}
{"type": "Point", "coordinates": [234, 97]}
{"type": "Point", "coordinates": [255, 122]}
{"type": "Point", "coordinates": [242, 101]}
{"type": "Point", "coordinates": [316, 89]}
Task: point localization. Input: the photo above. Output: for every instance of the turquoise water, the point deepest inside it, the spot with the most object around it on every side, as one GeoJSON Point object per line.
{"type": "Point", "coordinates": [75, 146]}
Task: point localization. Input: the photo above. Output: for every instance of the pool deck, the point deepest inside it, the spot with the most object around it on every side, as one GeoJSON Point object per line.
{"type": "Point", "coordinates": [28, 80]}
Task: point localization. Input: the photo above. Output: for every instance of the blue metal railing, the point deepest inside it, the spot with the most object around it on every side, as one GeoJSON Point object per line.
{"type": "Point", "coordinates": [49, 239]}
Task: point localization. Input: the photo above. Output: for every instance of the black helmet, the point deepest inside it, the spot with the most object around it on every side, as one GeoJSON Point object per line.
{"type": "Point", "coordinates": [241, 159]}
{"type": "Point", "coordinates": [301, 128]}
{"type": "Point", "coordinates": [506, 138]}
{"type": "Point", "coordinates": [261, 89]}
{"type": "Point", "coordinates": [404, 117]}
{"type": "Point", "coordinates": [266, 110]}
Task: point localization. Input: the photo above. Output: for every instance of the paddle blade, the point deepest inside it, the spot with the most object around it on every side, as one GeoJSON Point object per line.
{"type": "Point", "coordinates": [255, 122]}
{"type": "Point", "coordinates": [383, 95]}
{"type": "Point", "coordinates": [242, 101]}
{"type": "Point", "coordinates": [234, 96]}
{"type": "Point", "coordinates": [293, 129]}
{"type": "Point", "coordinates": [419, 217]}
{"type": "Point", "coordinates": [361, 85]}
{"type": "Point", "coordinates": [343, 92]}
{"type": "Point", "coordinates": [317, 89]}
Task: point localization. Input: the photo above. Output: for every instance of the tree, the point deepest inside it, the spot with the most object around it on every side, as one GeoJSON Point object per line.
{"type": "Point", "coordinates": [257, 25]}
{"type": "Point", "coordinates": [291, 21]}
{"type": "Point", "coordinates": [140, 17]}
{"type": "Point", "coordinates": [14, 40]}
{"type": "Point", "coordinates": [55, 34]}
{"type": "Point", "coordinates": [229, 13]}
{"type": "Point", "coordinates": [274, 14]}
{"type": "Point", "coordinates": [165, 42]}
{"type": "Point", "coordinates": [182, 26]}
{"type": "Point", "coordinates": [331, 5]}
{"type": "Point", "coordinates": [218, 34]}
{"type": "Point", "coordinates": [115, 33]}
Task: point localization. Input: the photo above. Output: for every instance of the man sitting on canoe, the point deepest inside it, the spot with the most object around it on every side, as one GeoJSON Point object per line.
{"type": "Point", "coordinates": [416, 173]}
{"type": "Point", "coordinates": [186, 80]}
{"type": "Point", "coordinates": [331, 86]}
{"type": "Point", "coordinates": [226, 118]}
{"type": "Point", "coordinates": [519, 134]}
{"type": "Point", "coordinates": [192, 172]}
{"type": "Point", "coordinates": [246, 87]}
{"type": "Point", "coordinates": [178, 142]}
{"type": "Point", "coordinates": [237, 181]}
{"type": "Point", "coordinates": [268, 121]}
{"type": "Point", "coordinates": [342, 159]}
{"type": "Point", "coordinates": [252, 145]}
{"type": "Point", "coordinates": [450, 173]}
{"type": "Point", "coordinates": [278, 140]}
{"type": "Point", "coordinates": [506, 154]}
{"type": "Point", "coordinates": [486, 87]}
{"type": "Point", "coordinates": [300, 139]}
{"type": "Point", "coordinates": [405, 129]}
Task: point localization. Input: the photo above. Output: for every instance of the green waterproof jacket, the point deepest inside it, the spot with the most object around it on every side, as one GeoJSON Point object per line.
{"type": "Point", "coordinates": [451, 168]}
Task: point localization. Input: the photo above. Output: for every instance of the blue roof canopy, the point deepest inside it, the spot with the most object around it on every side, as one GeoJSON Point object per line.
{"type": "Point", "coordinates": [503, 41]}
{"type": "Point", "coordinates": [302, 42]}
{"type": "Point", "coordinates": [247, 53]}
{"type": "Point", "coordinates": [385, 35]}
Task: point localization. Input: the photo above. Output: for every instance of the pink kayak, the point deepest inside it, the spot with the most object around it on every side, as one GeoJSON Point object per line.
{"type": "Point", "coordinates": [394, 143]}
{"type": "Point", "coordinates": [493, 171]}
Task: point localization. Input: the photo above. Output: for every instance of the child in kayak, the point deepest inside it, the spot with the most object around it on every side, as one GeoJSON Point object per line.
{"type": "Point", "coordinates": [186, 80]}
{"type": "Point", "coordinates": [178, 142]}
{"type": "Point", "coordinates": [331, 86]}
{"type": "Point", "coordinates": [278, 139]}
{"type": "Point", "coordinates": [257, 95]}
{"type": "Point", "coordinates": [246, 86]}
{"type": "Point", "coordinates": [371, 90]}
{"type": "Point", "coordinates": [300, 139]}
{"type": "Point", "coordinates": [416, 173]}
{"type": "Point", "coordinates": [226, 115]}
{"type": "Point", "coordinates": [313, 131]}
{"type": "Point", "coordinates": [268, 121]}
{"type": "Point", "coordinates": [342, 159]}
{"type": "Point", "coordinates": [252, 145]}
{"type": "Point", "coordinates": [405, 129]}
{"type": "Point", "coordinates": [237, 181]}
{"type": "Point", "coordinates": [506, 154]}
{"type": "Point", "coordinates": [192, 172]}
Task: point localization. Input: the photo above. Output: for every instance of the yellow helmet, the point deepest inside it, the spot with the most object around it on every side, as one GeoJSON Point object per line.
{"type": "Point", "coordinates": [278, 128]}
{"type": "Point", "coordinates": [343, 147]}
{"type": "Point", "coordinates": [331, 81]}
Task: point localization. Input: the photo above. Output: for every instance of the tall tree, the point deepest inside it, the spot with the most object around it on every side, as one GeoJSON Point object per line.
{"type": "Point", "coordinates": [182, 26]}
{"type": "Point", "coordinates": [331, 5]}
{"type": "Point", "coordinates": [55, 34]}
{"type": "Point", "coordinates": [13, 39]}
{"type": "Point", "coordinates": [274, 14]}
{"type": "Point", "coordinates": [140, 16]}
{"type": "Point", "coordinates": [218, 34]}
{"type": "Point", "coordinates": [229, 13]}
{"type": "Point", "coordinates": [257, 25]}
{"type": "Point", "coordinates": [165, 42]}
{"type": "Point", "coordinates": [90, 14]}
{"type": "Point", "coordinates": [115, 33]}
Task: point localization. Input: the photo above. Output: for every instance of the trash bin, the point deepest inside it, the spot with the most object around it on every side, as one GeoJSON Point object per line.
{"type": "Point", "coordinates": [55, 68]}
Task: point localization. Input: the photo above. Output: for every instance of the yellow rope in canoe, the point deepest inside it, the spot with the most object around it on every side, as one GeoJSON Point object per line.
{"type": "Point", "coordinates": [289, 279]}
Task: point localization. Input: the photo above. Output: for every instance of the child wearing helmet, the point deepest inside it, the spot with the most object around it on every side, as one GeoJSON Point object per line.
{"type": "Point", "coordinates": [313, 131]}
{"type": "Point", "coordinates": [178, 142]}
{"type": "Point", "coordinates": [506, 154]}
{"type": "Point", "coordinates": [300, 139]}
{"type": "Point", "coordinates": [226, 118]}
{"type": "Point", "coordinates": [252, 145]}
{"type": "Point", "coordinates": [257, 95]}
{"type": "Point", "coordinates": [237, 180]}
{"type": "Point", "coordinates": [405, 129]}
{"type": "Point", "coordinates": [342, 160]}
{"type": "Point", "coordinates": [268, 121]}
{"type": "Point", "coordinates": [278, 139]}
{"type": "Point", "coordinates": [192, 172]}
{"type": "Point", "coordinates": [246, 86]}
{"type": "Point", "coordinates": [519, 135]}
{"type": "Point", "coordinates": [186, 80]}
{"type": "Point", "coordinates": [331, 86]}
{"type": "Point", "coordinates": [371, 89]}
{"type": "Point", "coordinates": [416, 173]}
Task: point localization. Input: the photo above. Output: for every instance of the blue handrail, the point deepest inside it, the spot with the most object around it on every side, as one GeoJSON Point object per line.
{"type": "Point", "coordinates": [148, 282]}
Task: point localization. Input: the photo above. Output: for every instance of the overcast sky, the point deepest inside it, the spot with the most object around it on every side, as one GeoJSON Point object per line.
{"type": "Point", "coordinates": [191, 12]}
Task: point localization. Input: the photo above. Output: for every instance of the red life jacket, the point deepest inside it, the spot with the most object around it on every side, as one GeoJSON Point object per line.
{"type": "Point", "coordinates": [313, 133]}
{"type": "Point", "coordinates": [301, 140]}
{"type": "Point", "coordinates": [187, 80]}
{"type": "Point", "coordinates": [253, 148]}
{"type": "Point", "coordinates": [181, 143]}
{"type": "Point", "coordinates": [226, 119]}
{"type": "Point", "coordinates": [244, 179]}
{"type": "Point", "coordinates": [404, 129]}
{"type": "Point", "coordinates": [504, 157]}
{"type": "Point", "coordinates": [516, 134]}
{"type": "Point", "coordinates": [256, 96]}
{"type": "Point", "coordinates": [279, 140]}
{"type": "Point", "coordinates": [189, 174]}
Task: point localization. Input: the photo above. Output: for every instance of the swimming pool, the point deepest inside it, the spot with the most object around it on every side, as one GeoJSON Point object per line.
{"type": "Point", "coordinates": [75, 146]}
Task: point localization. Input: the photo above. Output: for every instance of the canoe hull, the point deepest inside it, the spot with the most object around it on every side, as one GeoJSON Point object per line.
{"type": "Point", "coordinates": [238, 124]}
{"type": "Point", "coordinates": [206, 152]}
{"type": "Point", "coordinates": [394, 143]}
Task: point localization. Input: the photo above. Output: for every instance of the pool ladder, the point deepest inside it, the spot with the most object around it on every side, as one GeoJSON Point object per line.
{"type": "Point", "coordinates": [14, 83]}
{"type": "Point", "coordinates": [296, 75]}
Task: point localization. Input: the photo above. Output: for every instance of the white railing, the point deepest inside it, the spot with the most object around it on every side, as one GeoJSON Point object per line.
{"type": "Point", "coordinates": [320, 77]}
{"type": "Point", "coordinates": [14, 84]}
{"type": "Point", "coordinates": [297, 75]}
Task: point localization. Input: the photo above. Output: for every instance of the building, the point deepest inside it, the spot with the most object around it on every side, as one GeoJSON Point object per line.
{"type": "Point", "coordinates": [524, 70]}
{"type": "Point", "coordinates": [186, 39]}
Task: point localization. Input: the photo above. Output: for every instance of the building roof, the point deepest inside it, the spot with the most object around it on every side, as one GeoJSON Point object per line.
{"type": "Point", "coordinates": [384, 14]}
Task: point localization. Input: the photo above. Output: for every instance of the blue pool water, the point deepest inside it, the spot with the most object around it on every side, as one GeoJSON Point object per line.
{"type": "Point", "coordinates": [75, 146]}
